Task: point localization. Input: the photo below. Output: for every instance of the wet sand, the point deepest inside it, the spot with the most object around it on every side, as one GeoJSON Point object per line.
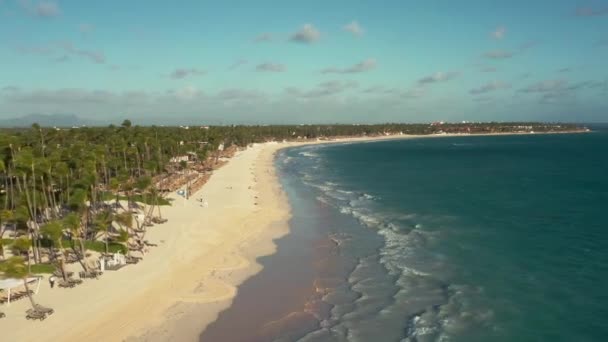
{"type": "Point", "coordinates": [272, 302]}
{"type": "Point", "coordinates": [283, 301]}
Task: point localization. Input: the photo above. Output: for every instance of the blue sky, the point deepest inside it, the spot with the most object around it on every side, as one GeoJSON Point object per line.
{"type": "Point", "coordinates": [305, 61]}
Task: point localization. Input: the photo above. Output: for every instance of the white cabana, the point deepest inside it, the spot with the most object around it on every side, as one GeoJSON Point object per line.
{"type": "Point", "coordinates": [11, 283]}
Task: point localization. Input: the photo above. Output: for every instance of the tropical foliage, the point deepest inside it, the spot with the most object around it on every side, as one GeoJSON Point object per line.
{"type": "Point", "coordinates": [62, 190]}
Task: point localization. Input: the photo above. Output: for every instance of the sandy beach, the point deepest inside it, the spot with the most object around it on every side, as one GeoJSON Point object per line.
{"type": "Point", "coordinates": [181, 285]}
{"type": "Point", "coordinates": [200, 258]}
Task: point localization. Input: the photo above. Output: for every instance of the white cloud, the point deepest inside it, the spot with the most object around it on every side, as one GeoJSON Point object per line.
{"type": "Point", "coordinates": [186, 72]}
{"type": "Point", "coordinates": [270, 67]}
{"type": "Point", "coordinates": [499, 33]}
{"type": "Point", "coordinates": [489, 87]}
{"type": "Point", "coordinates": [591, 12]}
{"type": "Point", "coordinates": [95, 56]}
{"type": "Point", "coordinates": [188, 93]}
{"type": "Point", "coordinates": [237, 64]}
{"type": "Point", "coordinates": [354, 28]}
{"type": "Point", "coordinates": [380, 90]}
{"type": "Point", "coordinates": [307, 34]}
{"type": "Point", "coordinates": [237, 94]}
{"type": "Point", "coordinates": [323, 89]}
{"type": "Point", "coordinates": [263, 37]}
{"type": "Point", "coordinates": [366, 65]}
{"type": "Point", "coordinates": [498, 54]}
{"type": "Point", "coordinates": [546, 86]}
{"type": "Point", "coordinates": [488, 69]}
{"type": "Point", "coordinates": [438, 77]}
{"type": "Point", "coordinates": [43, 9]}
{"type": "Point", "coordinates": [86, 28]}
{"type": "Point", "coordinates": [64, 50]}
{"type": "Point", "coordinates": [414, 93]}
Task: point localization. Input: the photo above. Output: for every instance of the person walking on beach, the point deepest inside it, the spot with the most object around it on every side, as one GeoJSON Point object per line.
{"type": "Point", "coordinates": [52, 281]}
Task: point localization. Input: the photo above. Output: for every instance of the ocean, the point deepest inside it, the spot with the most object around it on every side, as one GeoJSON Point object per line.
{"type": "Point", "coordinates": [476, 238]}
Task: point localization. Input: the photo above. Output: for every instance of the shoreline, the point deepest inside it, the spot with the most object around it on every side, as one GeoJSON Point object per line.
{"type": "Point", "coordinates": [203, 255]}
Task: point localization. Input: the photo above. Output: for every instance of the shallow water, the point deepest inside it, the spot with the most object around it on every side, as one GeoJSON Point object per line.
{"type": "Point", "coordinates": [451, 239]}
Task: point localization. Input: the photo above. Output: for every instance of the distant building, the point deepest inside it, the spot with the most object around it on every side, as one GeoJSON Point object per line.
{"type": "Point", "coordinates": [189, 156]}
{"type": "Point", "coordinates": [180, 159]}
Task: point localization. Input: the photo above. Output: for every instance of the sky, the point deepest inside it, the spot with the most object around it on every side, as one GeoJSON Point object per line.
{"type": "Point", "coordinates": [270, 62]}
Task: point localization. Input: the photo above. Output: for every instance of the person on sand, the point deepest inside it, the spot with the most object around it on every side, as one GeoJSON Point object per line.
{"type": "Point", "coordinates": [52, 281]}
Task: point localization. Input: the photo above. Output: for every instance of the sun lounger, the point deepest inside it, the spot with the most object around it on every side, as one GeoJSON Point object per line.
{"type": "Point", "coordinates": [114, 267]}
{"type": "Point", "coordinates": [135, 247]}
{"type": "Point", "coordinates": [75, 281]}
{"type": "Point", "coordinates": [43, 309]}
{"type": "Point", "coordinates": [65, 284]}
{"type": "Point", "coordinates": [91, 274]}
{"type": "Point", "coordinates": [132, 260]}
{"type": "Point", "coordinates": [34, 314]}
{"type": "Point", "coordinates": [20, 295]}
{"type": "Point", "coordinates": [70, 283]}
{"type": "Point", "coordinates": [158, 220]}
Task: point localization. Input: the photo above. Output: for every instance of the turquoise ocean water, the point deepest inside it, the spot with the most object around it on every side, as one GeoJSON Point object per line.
{"type": "Point", "coordinates": [500, 238]}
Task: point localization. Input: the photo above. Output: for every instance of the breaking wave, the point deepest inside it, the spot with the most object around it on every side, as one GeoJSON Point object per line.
{"type": "Point", "coordinates": [402, 286]}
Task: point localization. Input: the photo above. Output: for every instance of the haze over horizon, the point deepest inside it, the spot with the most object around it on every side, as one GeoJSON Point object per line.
{"type": "Point", "coordinates": [305, 62]}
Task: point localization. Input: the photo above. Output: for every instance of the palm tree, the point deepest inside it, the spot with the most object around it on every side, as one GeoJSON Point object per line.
{"type": "Point", "coordinates": [103, 221]}
{"type": "Point", "coordinates": [5, 217]}
{"type": "Point", "coordinates": [142, 185]}
{"type": "Point", "coordinates": [15, 267]}
{"type": "Point", "coordinates": [25, 163]}
{"type": "Point", "coordinates": [73, 224]}
{"type": "Point", "coordinates": [22, 246]}
{"type": "Point", "coordinates": [54, 231]}
{"type": "Point", "coordinates": [125, 221]}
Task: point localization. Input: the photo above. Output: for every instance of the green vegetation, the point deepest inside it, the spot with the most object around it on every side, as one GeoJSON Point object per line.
{"type": "Point", "coordinates": [99, 246]}
{"type": "Point", "coordinates": [59, 188]}
{"type": "Point", "coordinates": [157, 200]}
{"type": "Point", "coordinates": [43, 268]}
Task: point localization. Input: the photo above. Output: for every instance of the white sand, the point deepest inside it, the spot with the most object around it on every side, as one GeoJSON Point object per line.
{"type": "Point", "coordinates": [198, 260]}
{"type": "Point", "coordinates": [181, 285]}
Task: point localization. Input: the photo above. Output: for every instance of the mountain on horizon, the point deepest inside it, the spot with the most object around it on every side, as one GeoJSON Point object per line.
{"type": "Point", "coordinates": [48, 120]}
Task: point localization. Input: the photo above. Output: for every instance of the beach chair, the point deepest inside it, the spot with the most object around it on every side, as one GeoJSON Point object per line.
{"type": "Point", "coordinates": [92, 274]}
{"type": "Point", "coordinates": [74, 281]}
{"type": "Point", "coordinates": [2, 315]}
{"type": "Point", "coordinates": [150, 244]}
{"type": "Point", "coordinates": [34, 315]}
{"type": "Point", "coordinates": [45, 310]}
{"type": "Point", "coordinates": [134, 247]}
{"type": "Point", "coordinates": [158, 220]}
{"type": "Point", "coordinates": [132, 260]}
{"type": "Point", "coordinates": [65, 284]}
